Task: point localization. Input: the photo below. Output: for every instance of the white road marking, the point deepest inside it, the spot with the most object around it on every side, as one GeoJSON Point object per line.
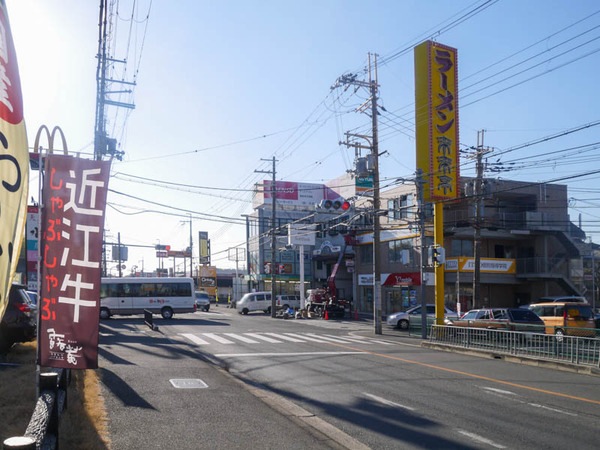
{"type": "Point", "coordinates": [241, 338]}
{"type": "Point", "coordinates": [235, 355]}
{"type": "Point", "coordinates": [285, 338]}
{"type": "Point", "coordinates": [480, 439]}
{"type": "Point", "coordinates": [351, 339]}
{"type": "Point", "coordinates": [535, 405]}
{"type": "Point", "coordinates": [306, 338]}
{"type": "Point", "coordinates": [264, 338]}
{"type": "Point", "coordinates": [324, 338]}
{"type": "Point", "coordinates": [498, 391]}
{"type": "Point", "coordinates": [217, 338]}
{"type": "Point", "coordinates": [195, 339]}
{"type": "Point", "coordinates": [387, 402]}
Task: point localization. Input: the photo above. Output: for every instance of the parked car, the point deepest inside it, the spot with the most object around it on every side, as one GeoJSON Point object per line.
{"type": "Point", "coordinates": [575, 319]}
{"type": "Point", "coordinates": [19, 321]}
{"type": "Point", "coordinates": [202, 301]}
{"type": "Point", "coordinates": [563, 298]}
{"type": "Point", "coordinates": [287, 301]}
{"type": "Point", "coordinates": [515, 319]}
{"type": "Point", "coordinates": [254, 301]}
{"type": "Point", "coordinates": [402, 319]}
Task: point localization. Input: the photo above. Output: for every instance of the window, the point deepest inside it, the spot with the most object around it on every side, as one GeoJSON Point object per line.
{"type": "Point", "coordinates": [366, 254]}
{"type": "Point", "coordinates": [462, 247]}
{"type": "Point", "coordinates": [401, 208]}
{"type": "Point", "coordinates": [395, 249]}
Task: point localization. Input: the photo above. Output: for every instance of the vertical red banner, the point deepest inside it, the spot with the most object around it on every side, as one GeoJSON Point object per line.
{"type": "Point", "coordinates": [72, 226]}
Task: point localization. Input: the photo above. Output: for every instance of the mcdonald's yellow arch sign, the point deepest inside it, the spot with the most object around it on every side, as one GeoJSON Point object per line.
{"type": "Point", "coordinates": [436, 118]}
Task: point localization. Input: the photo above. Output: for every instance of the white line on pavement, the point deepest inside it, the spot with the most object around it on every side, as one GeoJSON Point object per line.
{"type": "Point", "coordinates": [387, 402]}
{"type": "Point", "coordinates": [241, 338]}
{"type": "Point", "coordinates": [264, 338]}
{"type": "Point", "coordinates": [480, 439]}
{"type": "Point", "coordinates": [217, 338]}
{"type": "Point", "coordinates": [285, 338]}
{"type": "Point", "coordinates": [195, 339]}
{"type": "Point", "coordinates": [235, 355]}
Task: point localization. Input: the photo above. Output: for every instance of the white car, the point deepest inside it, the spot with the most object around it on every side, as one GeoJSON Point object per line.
{"type": "Point", "coordinates": [254, 301]}
{"type": "Point", "coordinates": [402, 319]}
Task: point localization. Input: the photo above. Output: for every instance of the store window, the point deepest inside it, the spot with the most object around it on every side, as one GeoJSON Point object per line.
{"type": "Point", "coordinates": [366, 254]}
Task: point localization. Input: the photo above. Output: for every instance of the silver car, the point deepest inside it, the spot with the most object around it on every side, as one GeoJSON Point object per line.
{"type": "Point", "coordinates": [202, 301]}
{"type": "Point", "coordinates": [402, 319]}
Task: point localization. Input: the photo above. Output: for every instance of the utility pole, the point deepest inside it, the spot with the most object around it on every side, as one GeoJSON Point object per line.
{"type": "Point", "coordinates": [191, 253]}
{"type": "Point", "coordinates": [119, 247]}
{"type": "Point", "coordinates": [104, 145]}
{"type": "Point", "coordinates": [273, 229]}
{"type": "Point", "coordinates": [374, 148]}
{"type": "Point", "coordinates": [478, 199]}
{"type": "Point", "coordinates": [376, 200]}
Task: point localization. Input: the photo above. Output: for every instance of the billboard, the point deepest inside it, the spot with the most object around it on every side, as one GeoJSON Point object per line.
{"type": "Point", "coordinates": [71, 230]}
{"type": "Point", "coordinates": [436, 119]}
{"type": "Point", "coordinates": [14, 161]}
{"type": "Point", "coordinates": [293, 194]}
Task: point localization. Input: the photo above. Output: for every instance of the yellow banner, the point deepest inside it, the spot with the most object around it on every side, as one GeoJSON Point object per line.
{"type": "Point", "coordinates": [486, 265]}
{"type": "Point", "coordinates": [436, 119]}
{"type": "Point", "coordinates": [14, 161]}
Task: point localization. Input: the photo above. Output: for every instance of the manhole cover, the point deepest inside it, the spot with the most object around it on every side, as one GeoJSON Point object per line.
{"type": "Point", "coordinates": [188, 383]}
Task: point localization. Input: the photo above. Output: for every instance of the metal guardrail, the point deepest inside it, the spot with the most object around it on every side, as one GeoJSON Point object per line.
{"type": "Point", "coordinates": [42, 431]}
{"type": "Point", "coordinates": [571, 349]}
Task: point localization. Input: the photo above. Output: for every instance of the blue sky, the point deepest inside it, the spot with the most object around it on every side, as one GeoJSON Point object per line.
{"type": "Point", "coordinates": [224, 84]}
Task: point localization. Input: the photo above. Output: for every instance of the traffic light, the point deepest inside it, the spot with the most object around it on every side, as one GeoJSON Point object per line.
{"type": "Point", "coordinates": [333, 206]}
{"type": "Point", "coordinates": [162, 247]}
{"type": "Point", "coordinates": [438, 255]}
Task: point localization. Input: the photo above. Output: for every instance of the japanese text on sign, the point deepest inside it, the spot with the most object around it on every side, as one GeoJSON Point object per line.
{"type": "Point", "coordinates": [72, 224]}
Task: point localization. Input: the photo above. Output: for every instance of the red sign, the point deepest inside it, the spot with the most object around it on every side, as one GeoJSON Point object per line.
{"type": "Point", "coordinates": [74, 199]}
{"type": "Point", "coordinates": [11, 104]}
{"type": "Point", "coordinates": [286, 190]}
{"type": "Point", "coordinates": [403, 279]}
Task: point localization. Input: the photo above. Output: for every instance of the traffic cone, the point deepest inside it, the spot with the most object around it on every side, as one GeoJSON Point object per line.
{"type": "Point", "coordinates": [326, 315]}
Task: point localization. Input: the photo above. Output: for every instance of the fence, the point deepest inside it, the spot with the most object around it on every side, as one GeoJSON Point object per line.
{"type": "Point", "coordinates": [42, 431]}
{"type": "Point", "coordinates": [571, 349]}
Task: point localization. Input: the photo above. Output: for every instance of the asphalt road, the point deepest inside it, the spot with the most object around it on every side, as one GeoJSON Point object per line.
{"type": "Point", "coordinates": [381, 391]}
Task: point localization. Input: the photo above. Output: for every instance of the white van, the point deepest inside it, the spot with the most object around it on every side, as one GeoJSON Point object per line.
{"type": "Point", "coordinates": [254, 301]}
{"type": "Point", "coordinates": [286, 301]}
{"type": "Point", "coordinates": [132, 295]}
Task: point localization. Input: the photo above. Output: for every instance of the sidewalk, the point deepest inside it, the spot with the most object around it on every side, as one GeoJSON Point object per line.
{"type": "Point", "coordinates": [139, 370]}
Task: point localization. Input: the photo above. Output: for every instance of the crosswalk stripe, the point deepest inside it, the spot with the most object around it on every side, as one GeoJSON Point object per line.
{"type": "Point", "coordinates": [285, 338]}
{"type": "Point", "coordinates": [195, 339]}
{"type": "Point", "coordinates": [324, 338]}
{"type": "Point", "coordinates": [364, 340]}
{"type": "Point", "coordinates": [264, 338]}
{"type": "Point", "coordinates": [307, 338]}
{"type": "Point", "coordinates": [351, 339]}
{"type": "Point", "coordinates": [217, 338]}
{"type": "Point", "coordinates": [241, 338]}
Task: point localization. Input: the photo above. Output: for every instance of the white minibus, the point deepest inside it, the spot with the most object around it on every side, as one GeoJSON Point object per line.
{"type": "Point", "coordinates": [132, 295]}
